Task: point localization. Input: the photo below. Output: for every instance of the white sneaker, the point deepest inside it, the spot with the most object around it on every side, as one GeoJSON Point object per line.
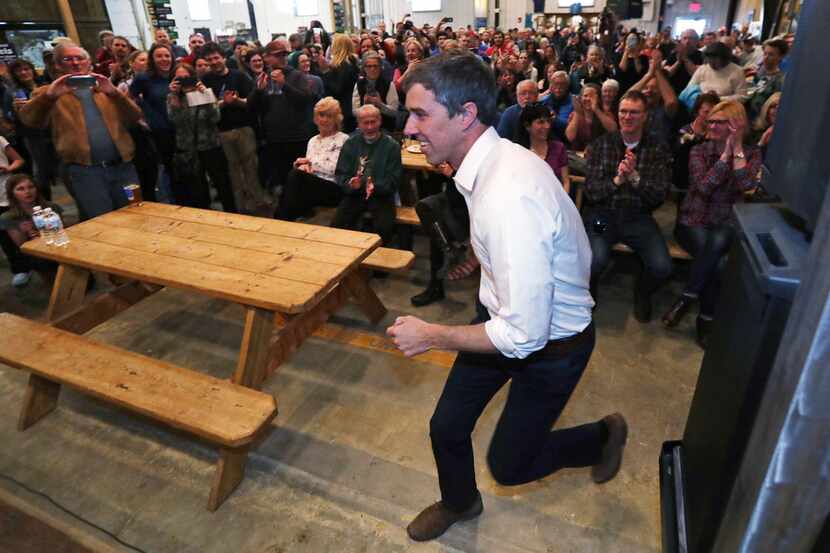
{"type": "Point", "coordinates": [19, 280]}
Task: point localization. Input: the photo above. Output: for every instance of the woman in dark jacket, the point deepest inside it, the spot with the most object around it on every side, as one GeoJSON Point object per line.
{"type": "Point", "coordinates": [340, 76]}
{"type": "Point", "coordinates": [150, 90]}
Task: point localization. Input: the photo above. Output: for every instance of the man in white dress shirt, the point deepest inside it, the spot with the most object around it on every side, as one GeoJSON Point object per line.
{"type": "Point", "coordinates": [535, 328]}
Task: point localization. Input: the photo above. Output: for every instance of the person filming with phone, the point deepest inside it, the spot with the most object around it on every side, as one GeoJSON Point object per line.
{"type": "Point", "coordinates": [89, 119]}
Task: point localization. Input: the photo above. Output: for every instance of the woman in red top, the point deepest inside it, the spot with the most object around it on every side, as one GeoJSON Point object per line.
{"type": "Point", "coordinates": [721, 169]}
{"type": "Point", "coordinates": [533, 132]}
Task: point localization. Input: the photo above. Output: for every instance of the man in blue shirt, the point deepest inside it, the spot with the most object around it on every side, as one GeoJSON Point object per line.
{"type": "Point", "coordinates": [526, 93]}
{"type": "Point", "coordinates": [560, 102]}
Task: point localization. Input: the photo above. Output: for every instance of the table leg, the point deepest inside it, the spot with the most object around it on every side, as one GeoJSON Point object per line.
{"type": "Point", "coordinates": [68, 292]}
{"type": "Point", "coordinates": [253, 355]}
{"type": "Point", "coordinates": [357, 283]}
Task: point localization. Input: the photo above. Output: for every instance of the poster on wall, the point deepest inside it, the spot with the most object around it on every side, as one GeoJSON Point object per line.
{"type": "Point", "coordinates": [7, 53]}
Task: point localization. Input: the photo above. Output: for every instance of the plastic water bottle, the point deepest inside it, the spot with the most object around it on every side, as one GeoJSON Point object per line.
{"type": "Point", "coordinates": [39, 220]}
{"type": "Point", "coordinates": [55, 226]}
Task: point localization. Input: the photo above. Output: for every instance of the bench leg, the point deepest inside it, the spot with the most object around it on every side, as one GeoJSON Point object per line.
{"type": "Point", "coordinates": [41, 399]}
{"type": "Point", "coordinates": [358, 286]}
{"type": "Point", "coordinates": [230, 469]}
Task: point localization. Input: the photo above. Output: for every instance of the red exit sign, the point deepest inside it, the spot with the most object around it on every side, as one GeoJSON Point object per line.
{"type": "Point", "coordinates": [695, 7]}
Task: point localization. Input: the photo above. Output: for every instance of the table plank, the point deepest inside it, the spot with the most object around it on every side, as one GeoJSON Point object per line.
{"type": "Point", "coordinates": [280, 265]}
{"type": "Point", "coordinates": [265, 291]}
{"type": "Point", "coordinates": [262, 225]}
{"type": "Point", "coordinates": [239, 239]}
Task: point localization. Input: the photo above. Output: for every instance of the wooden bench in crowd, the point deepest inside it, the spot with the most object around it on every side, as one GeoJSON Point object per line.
{"type": "Point", "coordinates": [224, 414]}
{"type": "Point", "coordinates": [389, 260]}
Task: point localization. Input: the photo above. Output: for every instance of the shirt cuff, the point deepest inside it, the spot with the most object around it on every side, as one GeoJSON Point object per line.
{"type": "Point", "coordinates": [498, 331]}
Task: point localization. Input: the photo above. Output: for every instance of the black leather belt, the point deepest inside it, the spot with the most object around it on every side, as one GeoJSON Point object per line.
{"type": "Point", "coordinates": [565, 346]}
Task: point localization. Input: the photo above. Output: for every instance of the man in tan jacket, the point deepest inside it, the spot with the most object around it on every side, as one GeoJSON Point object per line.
{"type": "Point", "coordinates": [89, 119]}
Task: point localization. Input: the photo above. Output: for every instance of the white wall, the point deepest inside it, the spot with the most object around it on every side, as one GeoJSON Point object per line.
{"type": "Point", "coordinates": [223, 13]}
{"type": "Point", "coordinates": [128, 19]}
{"type": "Point", "coordinates": [462, 12]}
{"type": "Point", "coordinates": [278, 17]}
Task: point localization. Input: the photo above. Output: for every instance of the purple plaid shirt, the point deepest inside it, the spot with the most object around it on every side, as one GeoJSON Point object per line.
{"type": "Point", "coordinates": [714, 186]}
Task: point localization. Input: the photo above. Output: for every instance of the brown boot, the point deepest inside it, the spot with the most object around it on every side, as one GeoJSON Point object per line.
{"type": "Point", "coordinates": [612, 451]}
{"type": "Point", "coordinates": [436, 519]}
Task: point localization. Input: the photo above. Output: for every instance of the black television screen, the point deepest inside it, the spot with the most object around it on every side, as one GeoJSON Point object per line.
{"type": "Point", "coordinates": [797, 167]}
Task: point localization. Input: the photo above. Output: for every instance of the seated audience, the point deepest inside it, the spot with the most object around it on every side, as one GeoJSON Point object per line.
{"type": "Point", "coordinates": [769, 79]}
{"type": "Point", "coordinates": [662, 101]}
{"type": "Point", "coordinates": [372, 88]}
{"type": "Point", "coordinates": [198, 148]}
{"type": "Point", "coordinates": [560, 102]}
{"type": "Point", "coordinates": [527, 69]}
{"type": "Point", "coordinates": [312, 180]}
{"type": "Point", "coordinates": [628, 176]}
{"type": "Point", "coordinates": [90, 132]}
{"type": "Point", "coordinates": [17, 227]}
{"type": "Point", "coordinates": [506, 84]}
{"type": "Point", "coordinates": [610, 97]}
{"type": "Point", "coordinates": [445, 219]}
{"type": "Point", "coordinates": [684, 61]}
{"type": "Point", "coordinates": [589, 120]}
{"type": "Point", "coordinates": [594, 70]}
{"type": "Point", "coordinates": [721, 170]}
{"type": "Point", "coordinates": [632, 64]}
{"type": "Point", "coordinates": [690, 136]}
{"type": "Point", "coordinates": [719, 74]}
{"type": "Point", "coordinates": [10, 161]}
{"type": "Point", "coordinates": [765, 122]}
{"type": "Point", "coordinates": [368, 171]}
{"type": "Point", "coordinates": [534, 133]}
{"type": "Point", "coordinates": [526, 93]}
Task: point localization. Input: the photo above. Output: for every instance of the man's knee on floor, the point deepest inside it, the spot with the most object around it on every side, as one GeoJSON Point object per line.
{"type": "Point", "coordinates": [506, 470]}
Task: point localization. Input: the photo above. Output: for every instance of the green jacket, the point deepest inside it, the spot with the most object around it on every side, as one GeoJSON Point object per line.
{"type": "Point", "coordinates": [383, 164]}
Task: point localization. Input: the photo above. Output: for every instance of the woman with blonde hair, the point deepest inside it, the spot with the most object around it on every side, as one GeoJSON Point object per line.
{"type": "Point", "coordinates": [311, 182]}
{"type": "Point", "coordinates": [765, 122]}
{"type": "Point", "coordinates": [721, 169]}
{"type": "Point", "coordinates": [340, 76]}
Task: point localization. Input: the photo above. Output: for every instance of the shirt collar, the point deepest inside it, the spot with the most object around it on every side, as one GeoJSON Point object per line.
{"type": "Point", "coordinates": [466, 175]}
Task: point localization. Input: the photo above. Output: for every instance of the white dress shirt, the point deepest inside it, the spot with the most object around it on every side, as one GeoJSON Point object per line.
{"type": "Point", "coordinates": [529, 238]}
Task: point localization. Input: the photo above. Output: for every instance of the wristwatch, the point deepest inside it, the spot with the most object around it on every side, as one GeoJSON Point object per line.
{"type": "Point", "coordinates": [739, 155]}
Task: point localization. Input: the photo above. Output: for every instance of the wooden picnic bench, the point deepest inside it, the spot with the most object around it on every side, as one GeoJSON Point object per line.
{"type": "Point", "coordinates": [217, 411]}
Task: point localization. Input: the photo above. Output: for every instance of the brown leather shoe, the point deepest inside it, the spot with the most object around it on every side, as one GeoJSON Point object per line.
{"type": "Point", "coordinates": [436, 519]}
{"type": "Point", "coordinates": [612, 451]}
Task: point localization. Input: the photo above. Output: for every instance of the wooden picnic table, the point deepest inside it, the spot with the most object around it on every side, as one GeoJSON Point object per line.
{"type": "Point", "coordinates": [289, 277]}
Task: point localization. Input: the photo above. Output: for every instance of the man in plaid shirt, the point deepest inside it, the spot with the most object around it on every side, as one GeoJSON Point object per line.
{"type": "Point", "coordinates": [628, 175]}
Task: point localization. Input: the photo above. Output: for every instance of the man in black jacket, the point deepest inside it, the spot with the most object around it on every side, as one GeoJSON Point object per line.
{"type": "Point", "coordinates": [283, 100]}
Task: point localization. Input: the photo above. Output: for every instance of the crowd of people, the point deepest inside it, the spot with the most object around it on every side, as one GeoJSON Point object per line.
{"type": "Point", "coordinates": [316, 119]}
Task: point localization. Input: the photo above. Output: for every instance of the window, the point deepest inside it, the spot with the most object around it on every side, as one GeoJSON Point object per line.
{"type": "Point", "coordinates": [306, 7]}
{"type": "Point", "coordinates": [426, 5]}
{"type": "Point", "coordinates": [199, 9]}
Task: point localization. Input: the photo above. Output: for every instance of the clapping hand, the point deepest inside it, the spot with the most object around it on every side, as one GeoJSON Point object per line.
{"type": "Point", "coordinates": [370, 187]}
{"type": "Point", "coordinates": [354, 183]}
{"type": "Point", "coordinates": [278, 77]}
{"type": "Point", "coordinates": [628, 165]}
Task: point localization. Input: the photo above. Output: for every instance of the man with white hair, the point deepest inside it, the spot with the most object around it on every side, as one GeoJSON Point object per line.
{"type": "Point", "coordinates": [89, 118]}
{"type": "Point", "coordinates": [368, 171]}
{"type": "Point", "coordinates": [560, 102]}
{"type": "Point", "coordinates": [526, 93]}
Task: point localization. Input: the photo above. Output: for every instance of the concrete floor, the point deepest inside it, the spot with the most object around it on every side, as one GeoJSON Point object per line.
{"type": "Point", "coordinates": [348, 462]}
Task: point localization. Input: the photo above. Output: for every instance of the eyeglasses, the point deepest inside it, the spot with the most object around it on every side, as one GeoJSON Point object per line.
{"type": "Point", "coordinates": [67, 59]}
{"type": "Point", "coordinates": [718, 122]}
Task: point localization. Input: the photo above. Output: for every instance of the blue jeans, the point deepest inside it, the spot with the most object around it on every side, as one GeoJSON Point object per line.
{"type": "Point", "coordinates": [523, 447]}
{"type": "Point", "coordinates": [708, 247]}
{"type": "Point", "coordinates": [639, 231]}
{"type": "Point", "coordinates": [99, 190]}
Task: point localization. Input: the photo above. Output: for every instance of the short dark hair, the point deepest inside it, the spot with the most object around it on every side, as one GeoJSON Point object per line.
{"type": "Point", "coordinates": [211, 48]}
{"type": "Point", "coordinates": [779, 44]}
{"type": "Point", "coordinates": [529, 114]}
{"type": "Point", "coordinates": [239, 42]}
{"type": "Point", "coordinates": [705, 98]}
{"type": "Point", "coordinates": [455, 78]}
{"type": "Point", "coordinates": [635, 96]}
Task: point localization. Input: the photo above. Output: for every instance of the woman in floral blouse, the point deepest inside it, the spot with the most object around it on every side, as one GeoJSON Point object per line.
{"type": "Point", "coordinates": [311, 182]}
{"type": "Point", "coordinates": [721, 169]}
